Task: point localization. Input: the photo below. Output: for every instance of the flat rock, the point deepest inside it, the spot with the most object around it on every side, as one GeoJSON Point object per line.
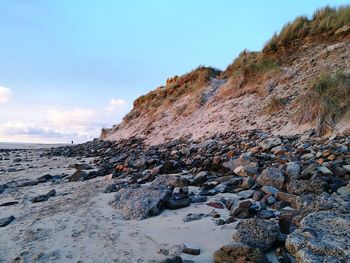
{"type": "Point", "coordinates": [6, 221]}
{"type": "Point", "coordinates": [44, 197]}
{"type": "Point", "coordinates": [322, 237]}
{"type": "Point", "coordinates": [142, 202]}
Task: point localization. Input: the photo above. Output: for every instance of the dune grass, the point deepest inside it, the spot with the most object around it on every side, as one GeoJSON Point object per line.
{"type": "Point", "coordinates": [325, 101]}
{"type": "Point", "coordinates": [276, 104]}
{"type": "Point", "coordinates": [325, 20]}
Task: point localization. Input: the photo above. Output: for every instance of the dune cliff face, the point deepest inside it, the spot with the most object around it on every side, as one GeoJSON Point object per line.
{"type": "Point", "coordinates": [271, 90]}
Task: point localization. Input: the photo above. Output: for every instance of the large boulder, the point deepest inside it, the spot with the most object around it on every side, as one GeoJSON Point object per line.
{"type": "Point", "coordinates": [322, 237]}
{"type": "Point", "coordinates": [299, 187]}
{"type": "Point", "coordinates": [272, 176]}
{"type": "Point", "coordinates": [142, 202]}
{"type": "Point", "coordinates": [257, 233]}
{"type": "Point", "coordinates": [238, 252]}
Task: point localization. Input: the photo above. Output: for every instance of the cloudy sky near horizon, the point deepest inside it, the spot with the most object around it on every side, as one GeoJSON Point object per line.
{"type": "Point", "coordinates": [69, 68]}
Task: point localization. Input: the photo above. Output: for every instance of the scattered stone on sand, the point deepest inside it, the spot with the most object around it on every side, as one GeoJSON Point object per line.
{"type": "Point", "coordinates": [6, 221]}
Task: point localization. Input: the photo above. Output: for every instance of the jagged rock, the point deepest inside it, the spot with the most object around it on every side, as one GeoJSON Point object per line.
{"type": "Point", "coordinates": [286, 197]}
{"type": "Point", "coordinates": [44, 197]}
{"type": "Point", "coordinates": [246, 194]}
{"type": "Point", "coordinates": [6, 221]}
{"type": "Point", "coordinates": [272, 176]}
{"type": "Point", "coordinates": [322, 237]}
{"type": "Point", "coordinates": [268, 143]}
{"type": "Point", "coordinates": [141, 203]}
{"type": "Point", "coordinates": [238, 252]}
{"type": "Point", "coordinates": [79, 175]}
{"type": "Point", "coordinates": [269, 190]}
{"type": "Point", "coordinates": [170, 180]}
{"type": "Point", "coordinates": [324, 170]}
{"type": "Point", "coordinates": [257, 233]}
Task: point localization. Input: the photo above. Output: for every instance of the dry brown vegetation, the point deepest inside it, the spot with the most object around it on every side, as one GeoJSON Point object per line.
{"type": "Point", "coordinates": [174, 89]}
{"type": "Point", "coordinates": [324, 21]}
{"type": "Point", "coordinates": [276, 104]}
{"type": "Point", "coordinates": [325, 101]}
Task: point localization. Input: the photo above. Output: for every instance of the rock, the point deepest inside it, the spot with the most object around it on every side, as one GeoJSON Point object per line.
{"type": "Point", "coordinates": [176, 259]}
{"type": "Point", "coordinates": [6, 221]}
{"type": "Point", "coordinates": [241, 209]}
{"type": "Point", "coordinates": [248, 170]}
{"type": "Point", "coordinates": [191, 251]}
{"type": "Point", "coordinates": [141, 203]}
{"type": "Point", "coordinates": [9, 203]}
{"type": "Point", "coordinates": [347, 167]}
{"type": "Point", "coordinates": [17, 160]}
{"type": "Point", "coordinates": [265, 214]}
{"type": "Point", "coordinates": [299, 187]}
{"type": "Point", "coordinates": [194, 217]}
{"type": "Point", "coordinates": [217, 205]}
{"type": "Point", "coordinates": [324, 170]}
{"type": "Point", "coordinates": [2, 188]}
{"type": "Point", "coordinates": [267, 189]}
{"type": "Point", "coordinates": [45, 178]}
{"type": "Point", "coordinates": [344, 191]}
{"type": "Point", "coordinates": [268, 143]}
{"type": "Point", "coordinates": [198, 199]}
{"type": "Point", "coordinates": [257, 233]}
{"type": "Point", "coordinates": [44, 197]}
{"type": "Point", "coordinates": [220, 222]}
{"type": "Point", "coordinates": [170, 180]}
{"type": "Point", "coordinates": [272, 176]}
{"type": "Point", "coordinates": [293, 170]}
{"type": "Point", "coordinates": [200, 178]}
{"type": "Point", "coordinates": [79, 175]}
{"type": "Point", "coordinates": [286, 197]}
{"type": "Point", "coordinates": [246, 194]}
{"type": "Point", "coordinates": [173, 203]}
{"type": "Point", "coordinates": [322, 237]}
{"type": "Point", "coordinates": [237, 252]}
{"type": "Point", "coordinates": [248, 182]}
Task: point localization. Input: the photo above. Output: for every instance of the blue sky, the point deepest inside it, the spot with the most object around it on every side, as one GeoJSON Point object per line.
{"type": "Point", "coordinates": [71, 67]}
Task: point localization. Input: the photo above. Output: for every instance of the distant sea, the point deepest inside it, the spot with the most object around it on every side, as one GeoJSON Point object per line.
{"type": "Point", "coordinates": [14, 145]}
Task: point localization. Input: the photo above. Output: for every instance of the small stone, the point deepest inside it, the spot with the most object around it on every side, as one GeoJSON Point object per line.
{"type": "Point", "coordinates": [267, 189]}
{"type": "Point", "coordinates": [6, 221]}
{"type": "Point", "coordinates": [44, 197]}
{"type": "Point", "coordinates": [217, 205]}
{"type": "Point", "coordinates": [194, 217]}
{"type": "Point", "coordinates": [293, 170]}
{"type": "Point", "coordinates": [324, 170]}
{"type": "Point", "coordinates": [191, 251]}
{"type": "Point", "coordinates": [246, 194]}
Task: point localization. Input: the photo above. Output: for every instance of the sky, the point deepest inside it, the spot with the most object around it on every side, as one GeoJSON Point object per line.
{"type": "Point", "coordinates": [69, 68]}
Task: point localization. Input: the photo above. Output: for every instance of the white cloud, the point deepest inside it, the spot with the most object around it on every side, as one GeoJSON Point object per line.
{"type": "Point", "coordinates": [61, 124]}
{"type": "Point", "coordinates": [5, 94]}
{"type": "Point", "coordinates": [116, 104]}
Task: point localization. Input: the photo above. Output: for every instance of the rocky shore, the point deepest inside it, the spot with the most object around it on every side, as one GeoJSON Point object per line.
{"type": "Point", "coordinates": [247, 197]}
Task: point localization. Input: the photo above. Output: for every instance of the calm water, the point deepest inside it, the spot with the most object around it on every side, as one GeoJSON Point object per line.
{"type": "Point", "coordinates": [11, 145]}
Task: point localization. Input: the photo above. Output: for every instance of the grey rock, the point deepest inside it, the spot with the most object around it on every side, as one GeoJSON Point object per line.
{"type": "Point", "coordinates": [6, 221]}
{"type": "Point", "coordinates": [200, 178]}
{"type": "Point", "coordinates": [324, 170]}
{"type": "Point", "coordinates": [173, 203]}
{"type": "Point", "coordinates": [267, 189]}
{"type": "Point", "coordinates": [293, 170]}
{"type": "Point", "coordinates": [344, 191]}
{"type": "Point", "coordinates": [170, 180]}
{"type": "Point", "coordinates": [246, 194]}
{"type": "Point", "coordinates": [272, 176]}
{"type": "Point", "coordinates": [44, 197]}
{"type": "Point", "coordinates": [269, 143]}
{"type": "Point", "coordinates": [194, 217]}
{"type": "Point", "coordinates": [141, 203]}
{"type": "Point", "coordinates": [322, 237]}
{"type": "Point", "coordinates": [299, 187]}
{"type": "Point", "coordinates": [257, 233]}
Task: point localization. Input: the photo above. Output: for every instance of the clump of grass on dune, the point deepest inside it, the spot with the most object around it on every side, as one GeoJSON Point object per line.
{"type": "Point", "coordinates": [175, 88]}
{"type": "Point", "coordinates": [325, 101]}
{"type": "Point", "coordinates": [325, 20]}
{"type": "Point", "coordinates": [250, 64]}
{"type": "Point", "coordinates": [276, 104]}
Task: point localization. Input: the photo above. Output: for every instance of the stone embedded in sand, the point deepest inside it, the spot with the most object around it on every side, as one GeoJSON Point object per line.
{"type": "Point", "coordinates": [238, 252]}
{"type": "Point", "coordinates": [322, 237]}
{"type": "Point", "coordinates": [272, 176]}
{"type": "Point", "coordinates": [257, 233]}
{"type": "Point", "coordinates": [6, 221]}
{"type": "Point", "coordinates": [142, 202]}
{"type": "Point", "coordinates": [44, 197]}
{"type": "Point", "coordinates": [173, 203]}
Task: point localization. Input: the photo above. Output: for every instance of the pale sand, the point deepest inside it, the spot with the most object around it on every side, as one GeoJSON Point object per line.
{"type": "Point", "coordinates": [80, 224]}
